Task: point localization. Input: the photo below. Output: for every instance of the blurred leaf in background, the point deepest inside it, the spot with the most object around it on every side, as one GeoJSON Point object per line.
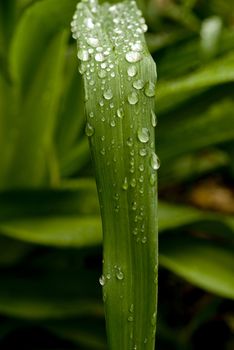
{"type": "Point", "coordinates": [50, 228]}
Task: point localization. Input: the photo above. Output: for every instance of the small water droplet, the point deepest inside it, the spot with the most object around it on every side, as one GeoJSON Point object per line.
{"type": "Point", "coordinates": [91, 114]}
{"type": "Point", "coordinates": [108, 94]}
{"type": "Point", "coordinates": [141, 167]}
{"type": "Point", "coordinates": [120, 113]}
{"type": "Point", "coordinates": [149, 89]}
{"type": "Point", "coordinates": [145, 340]}
{"type": "Point", "coordinates": [99, 57]}
{"type": "Point", "coordinates": [132, 98]}
{"type": "Point", "coordinates": [138, 84]}
{"type": "Point", "coordinates": [89, 130]}
{"type": "Point", "coordinates": [125, 184]}
{"type": "Point", "coordinates": [102, 73]}
{"type": "Point", "coordinates": [153, 118]}
{"type": "Point", "coordinates": [155, 162]}
{"type": "Point", "coordinates": [119, 274]}
{"type": "Point", "coordinates": [133, 56]}
{"type": "Point", "coordinates": [144, 240]}
{"type": "Point", "coordinates": [143, 152]}
{"type": "Point", "coordinates": [83, 55]}
{"type": "Point", "coordinates": [137, 46]}
{"type": "Point", "coordinates": [93, 41]}
{"type": "Point", "coordinates": [112, 123]}
{"type": "Point", "coordinates": [102, 280]}
{"type": "Point", "coordinates": [130, 318]}
{"type": "Point", "coordinates": [143, 135]}
{"type": "Point", "coordinates": [130, 141]}
{"type": "Point", "coordinates": [152, 179]}
{"type": "Point", "coordinates": [153, 319]}
{"type": "Point", "coordinates": [133, 182]}
{"type": "Point", "coordinates": [132, 71]}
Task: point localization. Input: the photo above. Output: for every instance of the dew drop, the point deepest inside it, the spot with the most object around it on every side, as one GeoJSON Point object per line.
{"type": "Point", "coordinates": [83, 55]}
{"type": "Point", "coordinates": [102, 73]}
{"type": "Point", "coordinates": [149, 89]}
{"type": "Point", "coordinates": [102, 280]}
{"type": "Point", "coordinates": [144, 240]}
{"type": "Point", "coordinates": [89, 130]}
{"type": "Point", "coordinates": [92, 41]}
{"type": "Point", "coordinates": [120, 113]}
{"type": "Point", "coordinates": [132, 71]}
{"type": "Point", "coordinates": [125, 184]}
{"type": "Point", "coordinates": [99, 57]}
{"type": "Point", "coordinates": [133, 56]}
{"type": "Point", "coordinates": [133, 183]}
{"type": "Point", "coordinates": [154, 161]}
{"type": "Point", "coordinates": [143, 152]}
{"type": "Point", "coordinates": [89, 23]}
{"type": "Point", "coordinates": [152, 179]}
{"type": "Point", "coordinates": [112, 123]}
{"type": "Point", "coordinates": [153, 118]}
{"type": "Point", "coordinates": [137, 46]}
{"type": "Point", "coordinates": [132, 98]}
{"type": "Point", "coordinates": [119, 274]}
{"type": "Point", "coordinates": [141, 167]}
{"type": "Point", "coordinates": [108, 94]}
{"type": "Point", "coordinates": [138, 84]}
{"type": "Point", "coordinates": [130, 141]}
{"type": "Point", "coordinates": [131, 308]}
{"type": "Point", "coordinates": [130, 318]}
{"type": "Point", "coordinates": [143, 135]}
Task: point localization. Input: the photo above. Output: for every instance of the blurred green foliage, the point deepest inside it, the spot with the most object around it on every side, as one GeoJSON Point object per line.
{"type": "Point", "coordinates": [50, 230]}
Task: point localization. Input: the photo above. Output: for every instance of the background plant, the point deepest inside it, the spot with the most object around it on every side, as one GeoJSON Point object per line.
{"type": "Point", "coordinates": [50, 251]}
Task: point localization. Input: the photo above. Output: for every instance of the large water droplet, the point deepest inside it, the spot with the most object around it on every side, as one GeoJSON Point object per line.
{"type": "Point", "coordinates": [149, 89]}
{"type": "Point", "coordinates": [133, 56]}
{"type": "Point", "coordinates": [143, 135]}
{"type": "Point", "coordinates": [83, 55]}
{"type": "Point", "coordinates": [108, 94]}
{"type": "Point", "coordinates": [138, 84]}
{"type": "Point", "coordinates": [132, 98]}
{"type": "Point", "coordinates": [153, 118]}
{"type": "Point", "coordinates": [154, 161]}
{"type": "Point", "coordinates": [132, 71]}
{"type": "Point", "coordinates": [89, 130]}
{"type": "Point", "coordinates": [125, 184]}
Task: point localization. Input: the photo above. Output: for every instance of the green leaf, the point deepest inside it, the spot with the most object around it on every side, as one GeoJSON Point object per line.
{"type": "Point", "coordinates": [218, 72]}
{"type": "Point", "coordinates": [211, 125]}
{"type": "Point", "coordinates": [206, 264]}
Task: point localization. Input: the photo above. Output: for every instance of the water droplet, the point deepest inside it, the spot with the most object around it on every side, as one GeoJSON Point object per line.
{"type": "Point", "coordinates": [82, 68]}
{"type": "Point", "coordinates": [155, 162]}
{"type": "Point", "coordinates": [153, 319]}
{"type": "Point", "coordinates": [102, 73]}
{"type": "Point", "coordinates": [138, 84]}
{"type": "Point", "coordinates": [132, 98]}
{"type": "Point", "coordinates": [133, 56]}
{"type": "Point", "coordinates": [130, 318]}
{"type": "Point", "coordinates": [149, 89]}
{"type": "Point", "coordinates": [92, 41]}
{"type": "Point", "coordinates": [143, 152]}
{"type": "Point", "coordinates": [144, 240]}
{"type": "Point", "coordinates": [133, 183]}
{"type": "Point", "coordinates": [143, 135]}
{"type": "Point", "coordinates": [99, 57]}
{"type": "Point", "coordinates": [145, 340]}
{"type": "Point", "coordinates": [152, 179]}
{"type": "Point", "coordinates": [141, 167]}
{"type": "Point", "coordinates": [89, 130]}
{"type": "Point", "coordinates": [91, 114]}
{"type": "Point", "coordinates": [108, 94]}
{"type": "Point", "coordinates": [112, 123]}
{"type": "Point", "coordinates": [153, 118]}
{"type": "Point", "coordinates": [103, 151]}
{"type": "Point", "coordinates": [125, 184]}
{"type": "Point", "coordinates": [101, 103]}
{"type": "Point", "coordinates": [131, 308]}
{"type": "Point", "coordinates": [119, 274]}
{"type": "Point", "coordinates": [130, 141]}
{"type": "Point", "coordinates": [120, 113]}
{"type": "Point", "coordinates": [137, 46]}
{"type": "Point", "coordinates": [83, 55]}
{"type": "Point", "coordinates": [132, 71]}
{"type": "Point", "coordinates": [102, 280]}
{"type": "Point", "coordinates": [89, 23]}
